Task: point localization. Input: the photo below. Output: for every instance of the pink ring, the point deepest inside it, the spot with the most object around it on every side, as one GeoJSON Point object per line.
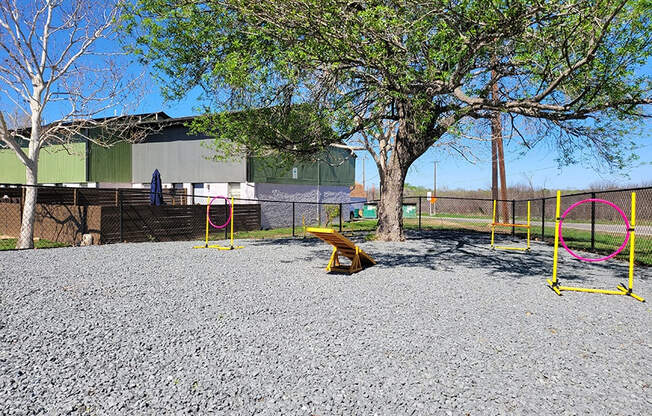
{"type": "Point", "coordinates": [602, 201]}
{"type": "Point", "coordinates": [208, 207]}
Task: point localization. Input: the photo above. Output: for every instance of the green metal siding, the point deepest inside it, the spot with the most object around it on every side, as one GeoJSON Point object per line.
{"type": "Point", "coordinates": [337, 168]}
{"type": "Point", "coordinates": [11, 168]}
{"type": "Point", "coordinates": [57, 164]}
{"type": "Point", "coordinates": [110, 164]}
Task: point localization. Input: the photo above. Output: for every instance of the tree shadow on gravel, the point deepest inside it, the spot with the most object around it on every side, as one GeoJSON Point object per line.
{"type": "Point", "coordinates": [452, 251]}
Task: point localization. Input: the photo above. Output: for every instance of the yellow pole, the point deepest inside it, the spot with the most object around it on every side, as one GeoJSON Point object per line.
{"type": "Point", "coordinates": [556, 250]}
{"type": "Point", "coordinates": [632, 243]}
{"type": "Point", "coordinates": [208, 207]}
{"type": "Point", "coordinates": [528, 225]}
{"type": "Point", "coordinates": [589, 290]}
{"type": "Point", "coordinates": [232, 220]}
{"type": "Point", "coordinates": [493, 227]}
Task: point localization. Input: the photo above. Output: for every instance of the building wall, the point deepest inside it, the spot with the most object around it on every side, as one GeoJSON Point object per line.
{"type": "Point", "coordinates": [57, 164]}
{"type": "Point", "coordinates": [110, 164]}
{"type": "Point", "coordinates": [335, 167]}
{"type": "Point", "coordinates": [279, 214]}
{"type": "Point", "coordinates": [11, 169]}
{"type": "Point", "coordinates": [182, 158]}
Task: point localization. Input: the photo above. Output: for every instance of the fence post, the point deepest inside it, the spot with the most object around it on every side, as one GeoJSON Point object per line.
{"type": "Point", "coordinates": [592, 221]}
{"type": "Point", "coordinates": [543, 219]}
{"type": "Point", "coordinates": [419, 210]}
{"type": "Point", "coordinates": [513, 217]}
{"type": "Point", "coordinates": [293, 235]}
{"type": "Point", "coordinates": [22, 203]}
{"type": "Point", "coordinates": [226, 218]}
{"type": "Point", "coordinates": [118, 195]}
{"type": "Point", "coordinates": [341, 217]}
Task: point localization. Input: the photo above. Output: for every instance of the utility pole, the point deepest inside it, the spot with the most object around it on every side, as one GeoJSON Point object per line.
{"type": "Point", "coordinates": [434, 189]}
{"type": "Point", "coordinates": [364, 185]}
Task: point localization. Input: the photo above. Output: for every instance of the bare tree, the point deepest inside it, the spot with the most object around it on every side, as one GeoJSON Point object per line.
{"type": "Point", "coordinates": [60, 56]}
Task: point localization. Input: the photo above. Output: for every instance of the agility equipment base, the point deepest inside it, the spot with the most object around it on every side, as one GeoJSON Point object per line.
{"type": "Point", "coordinates": [621, 288]}
{"type": "Point", "coordinates": [342, 246]}
{"type": "Point", "coordinates": [495, 224]}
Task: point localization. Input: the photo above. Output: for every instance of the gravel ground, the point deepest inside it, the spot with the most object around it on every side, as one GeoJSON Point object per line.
{"type": "Point", "coordinates": [442, 325]}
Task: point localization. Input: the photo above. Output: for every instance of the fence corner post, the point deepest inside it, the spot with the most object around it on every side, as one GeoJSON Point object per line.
{"type": "Point", "coordinates": [293, 216]}
{"type": "Point", "coordinates": [22, 203]}
{"type": "Point", "coordinates": [118, 196]}
{"type": "Point", "coordinates": [341, 217]}
{"type": "Point", "coordinates": [513, 217]}
{"type": "Point", "coordinates": [543, 219]}
{"type": "Point", "coordinates": [419, 212]}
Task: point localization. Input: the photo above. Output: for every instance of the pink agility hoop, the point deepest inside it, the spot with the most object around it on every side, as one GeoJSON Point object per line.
{"type": "Point", "coordinates": [208, 208]}
{"type": "Point", "coordinates": [602, 201]}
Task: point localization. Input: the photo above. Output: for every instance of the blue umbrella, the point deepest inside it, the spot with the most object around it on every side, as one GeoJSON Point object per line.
{"type": "Point", "coordinates": [156, 189]}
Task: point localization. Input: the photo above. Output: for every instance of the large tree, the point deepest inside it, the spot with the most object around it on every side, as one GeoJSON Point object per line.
{"type": "Point", "coordinates": [396, 76]}
{"type": "Point", "coordinates": [60, 55]}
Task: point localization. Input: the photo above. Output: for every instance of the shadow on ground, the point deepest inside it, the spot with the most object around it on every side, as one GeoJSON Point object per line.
{"type": "Point", "coordinates": [448, 251]}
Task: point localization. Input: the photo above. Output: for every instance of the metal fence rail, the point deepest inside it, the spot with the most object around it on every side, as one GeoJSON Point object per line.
{"type": "Point", "coordinates": [64, 215]}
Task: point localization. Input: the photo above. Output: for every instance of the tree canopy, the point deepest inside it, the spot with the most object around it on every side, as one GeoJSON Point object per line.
{"type": "Point", "coordinates": [396, 76]}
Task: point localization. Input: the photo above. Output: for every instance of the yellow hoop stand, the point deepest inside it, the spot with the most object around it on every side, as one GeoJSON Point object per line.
{"type": "Point", "coordinates": [231, 247]}
{"type": "Point", "coordinates": [495, 224]}
{"type": "Point", "coordinates": [622, 290]}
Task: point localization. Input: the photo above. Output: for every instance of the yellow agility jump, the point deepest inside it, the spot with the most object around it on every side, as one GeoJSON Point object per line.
{"type": "Point", "coordinates": [229, 221]}
{"type": "Point", "coordinates": [342, 246]}
{"type": "Point", "coordinates": [621, 288]}
{"type": "Point", "coordinates": [495, 224]}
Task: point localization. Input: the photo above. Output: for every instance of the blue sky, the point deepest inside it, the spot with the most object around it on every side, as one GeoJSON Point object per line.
{"type": "Point", "coordinates": [538, 165]}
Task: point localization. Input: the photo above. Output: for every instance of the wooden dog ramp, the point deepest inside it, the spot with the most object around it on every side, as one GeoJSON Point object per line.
{"type": "Point", "coordinates": [342, 246]}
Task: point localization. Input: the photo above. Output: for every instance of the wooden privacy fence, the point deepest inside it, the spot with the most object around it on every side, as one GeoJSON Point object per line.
{"type": "Point", "coordinates": [136, 223]}
{"type": "Point", "coordinates": [124, 223]}
{"type": "Point", "coordinates": [58, 195]}
{"type": "Point", "coordinates": [59, 223]}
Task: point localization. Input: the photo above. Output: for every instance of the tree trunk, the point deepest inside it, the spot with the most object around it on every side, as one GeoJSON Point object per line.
{"type": "Point", "coordinates": [497, 141]}
{"type": "Point", "coordinates": [26, 238]}
{"type": "Point", "coordinates": [390, 206]}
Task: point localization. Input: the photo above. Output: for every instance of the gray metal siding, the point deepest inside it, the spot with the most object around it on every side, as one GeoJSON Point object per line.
{"type": "Point", "coordinates": [182, 158]}
{"type": "Point", "coordinates": [279, 214]}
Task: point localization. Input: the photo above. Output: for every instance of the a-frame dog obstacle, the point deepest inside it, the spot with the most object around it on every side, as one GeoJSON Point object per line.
{"type": "Point", "coordinates": [342, 246]}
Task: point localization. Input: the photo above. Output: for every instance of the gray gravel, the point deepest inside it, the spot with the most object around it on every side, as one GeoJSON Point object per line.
{"type": "Point", "coordinates": [440, 326]}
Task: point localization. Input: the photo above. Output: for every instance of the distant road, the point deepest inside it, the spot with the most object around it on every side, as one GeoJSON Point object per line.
{"type": "Point", "coordinates": [645, 230]}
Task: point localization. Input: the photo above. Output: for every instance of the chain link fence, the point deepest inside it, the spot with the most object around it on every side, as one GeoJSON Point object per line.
{"type": "Point", "coordinates": [76, 216]}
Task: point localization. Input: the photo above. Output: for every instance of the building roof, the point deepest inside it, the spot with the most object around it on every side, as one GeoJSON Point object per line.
{"type": "Point", "coordinates": [357, 191]}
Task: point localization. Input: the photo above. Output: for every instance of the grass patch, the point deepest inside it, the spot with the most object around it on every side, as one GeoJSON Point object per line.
{"type": "Point", "coordinates": [605, 243]}
{"type": "Point", "coordinates": [576, 239]}
{"type": "Point", "coordinates": [283, 232]}
{"type": "Point", "coordinates": [10, 244]}
{"type": "Point", "coordinates": [453, 215]}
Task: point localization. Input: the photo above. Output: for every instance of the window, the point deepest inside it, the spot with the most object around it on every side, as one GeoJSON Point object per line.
{"type": "Point", "coordinates": [234, 189]}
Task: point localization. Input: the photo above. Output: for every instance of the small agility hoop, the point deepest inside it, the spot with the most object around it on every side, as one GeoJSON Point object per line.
{"type": "Point", "coordinates": [208, 207]}
{"type": "Point", "coordinates": [602, 201]}
{"type": "Point", "coordinates": [209, 223]}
